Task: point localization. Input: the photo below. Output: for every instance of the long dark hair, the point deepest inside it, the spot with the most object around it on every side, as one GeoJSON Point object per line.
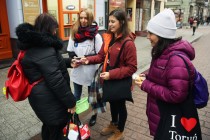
{"type": "Point", "coordinates": [45, 23]}
{"type": "Point", "coordinates": [121, 16]}
{"type": "Point", "coordinates": [161, 45]}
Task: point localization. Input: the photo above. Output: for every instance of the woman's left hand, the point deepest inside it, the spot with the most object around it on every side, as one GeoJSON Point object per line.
{"type": "Point", "coordinates": [105, 75]}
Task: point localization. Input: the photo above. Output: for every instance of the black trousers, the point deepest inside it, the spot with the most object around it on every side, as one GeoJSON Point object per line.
{"type": "Point", "coordinates": [194, 28]}
{"type": "Point", "coordinates": [52, 132]}
{"type": "Point", "coordinates": [119, 113]}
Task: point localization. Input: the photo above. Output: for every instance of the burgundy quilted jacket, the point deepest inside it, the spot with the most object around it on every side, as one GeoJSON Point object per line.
{"type": "Point", "coordinates": [167, 80]}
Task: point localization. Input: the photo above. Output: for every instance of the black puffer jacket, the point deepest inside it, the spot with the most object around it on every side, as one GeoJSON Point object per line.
{"type": "Point", "coordinates": [51, 97]}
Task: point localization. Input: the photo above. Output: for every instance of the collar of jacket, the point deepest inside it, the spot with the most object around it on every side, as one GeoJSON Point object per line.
{"type": "Point", "coordinates": [107, 39]}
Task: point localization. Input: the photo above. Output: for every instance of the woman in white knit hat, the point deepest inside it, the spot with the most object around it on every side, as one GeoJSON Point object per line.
{"type": "Point", "coordinates": [167, 82]}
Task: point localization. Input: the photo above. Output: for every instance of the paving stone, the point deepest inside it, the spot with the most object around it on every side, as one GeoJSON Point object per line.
{"type": "Point", "coordinates": [34, 130]}
{"type": "Point", "coordinates": [20, 136]}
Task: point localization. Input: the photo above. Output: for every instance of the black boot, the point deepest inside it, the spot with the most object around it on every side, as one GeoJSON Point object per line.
{"type": "Point", "coordinates": [92, 121]}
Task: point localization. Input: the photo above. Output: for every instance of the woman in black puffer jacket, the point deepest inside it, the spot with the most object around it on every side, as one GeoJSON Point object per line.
{"type": "Point", "coordinates": [51, 99]}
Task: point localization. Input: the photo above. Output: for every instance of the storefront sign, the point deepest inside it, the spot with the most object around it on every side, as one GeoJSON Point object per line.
{"type": "Point", "coordinates": [31, 9]}
{"type": "Point", "coordinates": [115, 4]}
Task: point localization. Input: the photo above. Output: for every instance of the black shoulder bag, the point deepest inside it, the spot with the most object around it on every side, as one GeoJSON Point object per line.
{"type": "Point", "coordinates": [117, 89]}
{"type": "Point", "coordinates": [179, 121]}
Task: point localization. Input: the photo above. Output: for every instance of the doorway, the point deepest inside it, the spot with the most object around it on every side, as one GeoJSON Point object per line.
{"type": "Point", "coordinates": [5, 45]}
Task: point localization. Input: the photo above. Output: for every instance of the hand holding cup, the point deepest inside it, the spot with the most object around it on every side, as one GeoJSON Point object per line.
{"type": "Point", "coordinates": [138, 79]}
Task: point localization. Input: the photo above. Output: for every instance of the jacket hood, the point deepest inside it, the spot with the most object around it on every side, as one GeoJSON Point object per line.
{"type": "Point", "coordinates": [181, 46]}
{"type": "Point", "coordinates": [28, 37]}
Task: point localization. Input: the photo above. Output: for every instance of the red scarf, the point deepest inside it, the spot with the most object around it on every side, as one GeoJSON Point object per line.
{"type": "Point", "coordinates": [85, 33]}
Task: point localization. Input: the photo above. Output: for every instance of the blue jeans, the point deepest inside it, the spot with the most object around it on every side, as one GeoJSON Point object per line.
{"type": "Point", "coordinates": [78, 91]}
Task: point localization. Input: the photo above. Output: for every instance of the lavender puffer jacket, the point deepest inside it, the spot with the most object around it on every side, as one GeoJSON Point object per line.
{"type": "Point", "coordinates": [167, 80]}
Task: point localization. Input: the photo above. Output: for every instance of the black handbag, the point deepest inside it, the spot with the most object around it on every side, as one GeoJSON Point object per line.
{"type": "Point", "coordinates": [179, 121]}
{"type": "Point", "coordinates": [117, 89]}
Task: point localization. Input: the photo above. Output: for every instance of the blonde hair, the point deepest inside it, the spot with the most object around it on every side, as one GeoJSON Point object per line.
{"type": "Point", "coordinates": [76, 26]}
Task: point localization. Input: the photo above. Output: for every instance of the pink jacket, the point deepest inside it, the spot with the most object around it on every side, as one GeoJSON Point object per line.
{"type": "Point", "coordinates": [167, 80]}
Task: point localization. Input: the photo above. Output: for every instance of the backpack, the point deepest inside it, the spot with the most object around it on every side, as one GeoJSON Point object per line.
{"type": "Point", "coordinates": [17, 85]}
{"type": "Point", "coordinates": [199, 87]}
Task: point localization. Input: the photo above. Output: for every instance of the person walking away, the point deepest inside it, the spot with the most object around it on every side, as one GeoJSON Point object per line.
{"type": "Point", "coordinates": [191, 21]}
{"type": "Point", "coordinates": [84, 41]}
{"type": "Point", "coordinates": [168, 79]}
{"type": "Point", "coordinates": [195, 25]}
{"type": "Point", "coordinates": [208, 20]}
{"type": "Point", "coordinates": [117, 35]}
{"type": "Point", "coordinates": [51, 99]}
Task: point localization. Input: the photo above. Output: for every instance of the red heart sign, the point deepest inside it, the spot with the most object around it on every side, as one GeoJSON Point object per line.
{"type": "Point", "coordinates": [188, 124]}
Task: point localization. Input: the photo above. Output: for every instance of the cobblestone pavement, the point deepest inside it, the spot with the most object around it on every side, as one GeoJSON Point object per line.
{"type": "Point", "coordinates": [18, 121]}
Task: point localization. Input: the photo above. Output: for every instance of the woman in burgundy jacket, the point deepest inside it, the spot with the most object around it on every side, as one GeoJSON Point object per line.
{"type": "Point", "coordinates": [117, 34]}
{"type": "Point", "coordinates": [167, 79]}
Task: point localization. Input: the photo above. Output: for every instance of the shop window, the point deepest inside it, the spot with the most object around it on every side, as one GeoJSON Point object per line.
{"type": "Point", "coordinates": [157, 7]}
{"type": "Point", "coordinates": [69, 20]}
{"type": "Point", "coordinates": [66, 12]}
{"type": "Point", "coordinates": [89, 4]}
{"type": "Point", "coordinates": [139, 15]}
{"type": "Point", "coordinates": [52, 7]}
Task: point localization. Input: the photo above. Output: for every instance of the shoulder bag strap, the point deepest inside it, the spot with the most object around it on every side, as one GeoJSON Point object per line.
{"type": "Point", "coordinates": [188, 70]}
{"type": "Point", "coordinates": [118, 57]}
{"type": "Point", "coordinates": [94, 45]}
{"type": "Point", "coordinates": [21, 55]}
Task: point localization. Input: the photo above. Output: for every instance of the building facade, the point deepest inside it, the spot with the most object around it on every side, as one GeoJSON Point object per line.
{"type": "Point", "coordinates": [13, 13]}
{"type": "Point", "coordinates": [184, 9]}
{"type": "Point", "coordinates": [145, 10]}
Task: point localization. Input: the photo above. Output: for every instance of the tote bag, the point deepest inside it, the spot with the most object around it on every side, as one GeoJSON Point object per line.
{"type": "Point", "coordinates": [117, 89]}
{"type": "Point", "coordinates": [178, 121]}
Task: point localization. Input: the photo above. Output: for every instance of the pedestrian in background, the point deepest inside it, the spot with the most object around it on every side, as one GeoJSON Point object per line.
{"type": "Point", "coordinates": [84, 41]}
{"type": "Point", "coordinates": [51, 99]}
{"type": "Point", "coordinates": [195, 25]}
{"type": "Point", "coordinates": [167, 80]}
{"type": "Point", "coordinates": [208, 20]}
{"type": "Point", "coordinates": [117, 34]}
{"type": "Point", "coordinates": [191, 21]}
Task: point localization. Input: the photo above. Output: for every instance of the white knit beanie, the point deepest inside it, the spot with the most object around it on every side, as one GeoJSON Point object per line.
{"type": "Point", "coordinates": [163, 24]}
